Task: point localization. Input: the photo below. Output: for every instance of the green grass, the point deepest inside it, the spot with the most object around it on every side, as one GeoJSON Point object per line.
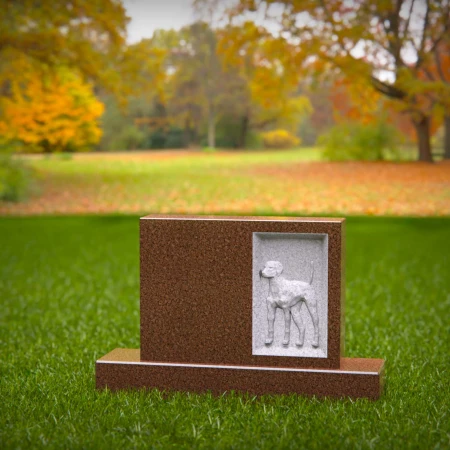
{"type": "Point", "coordinates": [148, 174]}
{"type": "Point", "coordinates": [185, 182]}
{"type": "Point", "coordinates": [69, 290]}
{"type": "Point", "coordinates": [263, 182]}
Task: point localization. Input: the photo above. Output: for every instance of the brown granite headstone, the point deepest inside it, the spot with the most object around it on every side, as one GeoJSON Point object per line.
{"type": "Point", "coordinates": [212, 287]}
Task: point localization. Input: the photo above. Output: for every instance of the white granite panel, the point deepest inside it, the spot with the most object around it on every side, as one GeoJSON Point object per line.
{"type": "Point", "coordinates": [287, 293]}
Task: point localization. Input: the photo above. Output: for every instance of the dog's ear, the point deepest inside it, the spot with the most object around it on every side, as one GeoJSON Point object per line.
{"type": "Point", "coordinates": [279, 268]}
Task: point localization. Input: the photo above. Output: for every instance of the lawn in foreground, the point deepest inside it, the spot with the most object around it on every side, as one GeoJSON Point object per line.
{"type": "Point", "coordinates": [69, 289]}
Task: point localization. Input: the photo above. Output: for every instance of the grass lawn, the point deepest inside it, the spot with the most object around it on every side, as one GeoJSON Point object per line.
{"type": "Point", "coordinates": [69, 290]}
{"type": "Point", "coordinates": [270, 182]}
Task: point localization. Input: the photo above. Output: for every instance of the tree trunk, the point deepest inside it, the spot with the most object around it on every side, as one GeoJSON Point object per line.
{"type": "Point", "coordinates": [211, 128]}
{"type": "Point", "coordinates": [186, 134]}
{"type": "Point", "coordinates": [447, 137]}
{"type": "Point", "coordinates": [194, 137]}
{"type": "Point", "coordinates": [423, 138]}
{"type": "Point", "coordinates": [244, 131]}
{"type": "Point", "coordinates": [45, 144]}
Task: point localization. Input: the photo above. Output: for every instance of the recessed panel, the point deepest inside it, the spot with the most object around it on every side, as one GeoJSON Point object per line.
{"type": "Point", "coordinates": [290, 295]}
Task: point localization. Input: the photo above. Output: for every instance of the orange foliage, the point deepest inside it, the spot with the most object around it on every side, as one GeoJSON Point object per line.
{"type": "Point", "coordinates": [354, 101]}
{"type": "Point", "coordinates": [50, 111]}
{"type": "Point", "coordinates": [434, 88]}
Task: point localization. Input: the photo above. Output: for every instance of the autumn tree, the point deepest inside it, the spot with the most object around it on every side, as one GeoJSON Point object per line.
{"type": "Point", "coordinates": [206, 12]}
{"type": "Point", "coordinates": [321, 117]}
{"type": "Point", "coordinates": [185, 102]}
{"type": "Point", "coordinates": [442, 59]}
{"type": "Point", "coordinates": [63, 47]}
{"type": "Point", "coordinates": [142, 66]}
{"type": "Point", "coordinates": [264, 94]}
{"type": "Point", "coordinates": [50, 110]}
{"type": "Point", "coordinates": [351, 102]}
{"type": "Point", "coordinates": [204, 44]}
{"type": "Point", "coordinates": [195, 83]}
{"type": "Point", "coordinates": [384, 43]}
{"type": "Point", "coordinates": [436, 72]}
{"type": "Point", "coordinates": [172, 83]}
{"type": "Point", "coordinates": [163, 88]}
{"type": "Point", "coordinates": [83, 34]}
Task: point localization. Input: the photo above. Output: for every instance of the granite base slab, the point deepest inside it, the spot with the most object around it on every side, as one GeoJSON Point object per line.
{"type": "Point", "coordinates": [356, 377]}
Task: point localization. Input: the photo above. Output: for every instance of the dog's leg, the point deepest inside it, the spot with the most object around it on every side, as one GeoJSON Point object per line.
{"type": "Point", "coordinates": [271, 308]}
{"type": "Point", "coordinates": [295, 311]}
{"type": "Point", "coordinates": [287, 326]}
{"type": "Point", "coordinates": [312, 308]}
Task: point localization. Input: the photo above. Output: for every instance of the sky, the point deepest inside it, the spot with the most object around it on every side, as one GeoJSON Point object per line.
{"type": "Point", "coordinates": [149, 15]}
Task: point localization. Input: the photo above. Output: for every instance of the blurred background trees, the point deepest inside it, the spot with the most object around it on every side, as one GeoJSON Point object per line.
{"type": "Point", "coordinates": [52, 55]}
{"type": "Point", "coordinates": [84, 35]}
{"type": "Point", "coordinates": [388, 46]}
{"type": "Point", "coordinates": [359, 78]}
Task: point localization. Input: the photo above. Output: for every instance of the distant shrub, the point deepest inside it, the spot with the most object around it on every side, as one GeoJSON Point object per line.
{"type": "Point", "coordinates": [280, 139]}
{"type": "Point", "coordinates": [16, 179]}
{"type": "Point", "coordinates": [254, 140]}
{"type": "Point", "coordinates": [359, 142]}
{"type": "Point", "coordinates": [174, 138]}
{"type": "Point", "coordinates": [228, 132]}
{"type": "Point", "coordinates": [130, 138]}
{"type": "Point", "coordinates": [157, 140]}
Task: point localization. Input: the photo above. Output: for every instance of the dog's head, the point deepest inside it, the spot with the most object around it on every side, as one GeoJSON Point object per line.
{"type": "Point", "coordinates": [272, 269]}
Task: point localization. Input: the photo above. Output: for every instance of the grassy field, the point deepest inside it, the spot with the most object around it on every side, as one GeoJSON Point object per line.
{"type": "Point", "coordinates": [69, 290]}
{"type": "Point", "coordinates": [276, 182]}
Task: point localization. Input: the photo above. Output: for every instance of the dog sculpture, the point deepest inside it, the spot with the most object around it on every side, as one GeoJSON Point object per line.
{"type": "Point", "coordinates": [289, 295]}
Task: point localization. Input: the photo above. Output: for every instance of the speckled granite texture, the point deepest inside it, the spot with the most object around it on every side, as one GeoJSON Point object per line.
{"type": "Point", "coordinates": [196, 289]}
{"type": "Point", "coordinates": [199, 278]}
{"type": "Point", "coordinates": [122, 368]}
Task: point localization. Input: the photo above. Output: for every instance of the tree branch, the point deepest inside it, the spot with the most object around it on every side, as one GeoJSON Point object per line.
{"type": "Point", "coordinates": [264, 123]}
{"type": "Point", "coordinates": [387, 89]}
{"type": "Point", "coordinates": [405, 29]}
{"type": "Point", "coordinates": [439, 66]}
{"type": "Point", "coordinates": [422, 42]}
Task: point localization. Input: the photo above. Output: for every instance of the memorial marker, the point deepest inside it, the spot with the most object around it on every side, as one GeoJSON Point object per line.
{"type": "Point", "coordinates": [252, 304]}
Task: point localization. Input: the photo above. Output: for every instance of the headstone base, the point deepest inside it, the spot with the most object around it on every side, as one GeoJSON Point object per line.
{"type": "Point", "coordinates": [356, 377]}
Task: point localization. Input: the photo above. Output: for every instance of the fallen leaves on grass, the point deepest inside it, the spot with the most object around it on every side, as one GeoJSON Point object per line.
{"type": "Point", "coordinates": [309, 188]}
{"type": "Point", "coordinates": [364, 188]}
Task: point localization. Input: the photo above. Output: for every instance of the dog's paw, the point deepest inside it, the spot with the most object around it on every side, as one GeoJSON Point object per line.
{"type": "Point", "coordinates": [286, 342]}
{"type": "Point", "coordinates": [301, 338]}
{"type": "Point", "coordinates": [315, 343]}
{"type": "Point", "coordinates": [269, 341]}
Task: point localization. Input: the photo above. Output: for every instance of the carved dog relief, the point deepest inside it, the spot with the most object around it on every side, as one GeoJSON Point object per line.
{"type": "Point", "coordinates": [290, 281]}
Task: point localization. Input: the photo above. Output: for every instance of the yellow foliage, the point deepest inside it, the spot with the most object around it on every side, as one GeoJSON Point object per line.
{"type": "Point", "coordinates": [263, 62]}
{"type": "Point", "coordinates": [50, 111]}
{"type": "Point", "coordinates": [88, 35]}
{"type": "Point", "coordinates": [280, 139]}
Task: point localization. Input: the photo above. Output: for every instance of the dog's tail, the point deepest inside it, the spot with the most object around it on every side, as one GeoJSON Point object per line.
{"type": "Point", "coordinates": [312, 273]}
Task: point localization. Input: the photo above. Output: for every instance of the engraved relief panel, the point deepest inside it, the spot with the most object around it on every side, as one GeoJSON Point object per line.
{"type": "Point", "coordinates": [290, 294]}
